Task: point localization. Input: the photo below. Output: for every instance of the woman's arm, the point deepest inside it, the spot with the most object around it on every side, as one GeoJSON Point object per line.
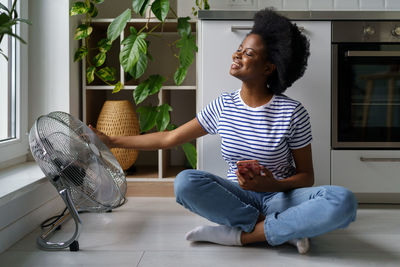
{"type": "Point", "coordinates": [304, 176]}
{"type": "Point", "coordinates": [158, 140]}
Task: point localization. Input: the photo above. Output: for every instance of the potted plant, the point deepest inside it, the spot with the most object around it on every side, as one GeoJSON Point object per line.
{"type": "Point", "coordinates": [134, 56]}
{"type": "Point", "coordinates": [8, 19]}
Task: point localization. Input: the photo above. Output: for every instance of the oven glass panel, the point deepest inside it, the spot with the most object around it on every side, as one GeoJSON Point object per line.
{"type": "Point", "coordinates": [368, 93]}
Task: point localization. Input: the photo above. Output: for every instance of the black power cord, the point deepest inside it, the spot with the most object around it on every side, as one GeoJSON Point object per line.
{"type": "Point", "coordinates": [52, 220]}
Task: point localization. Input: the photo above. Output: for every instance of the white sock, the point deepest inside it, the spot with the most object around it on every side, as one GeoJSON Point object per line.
{"type": "Point", "coordinates": [220, 234]}
{"type": "Point", "coordinates": [302, 244]}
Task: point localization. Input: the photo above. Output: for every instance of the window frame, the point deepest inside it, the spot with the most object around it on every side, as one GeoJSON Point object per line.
{"type": "Point", "coordinates": [16, 149]}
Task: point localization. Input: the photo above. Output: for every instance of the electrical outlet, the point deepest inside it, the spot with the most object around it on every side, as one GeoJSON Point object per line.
{"type": "Point", "coordinates": [242, 3]}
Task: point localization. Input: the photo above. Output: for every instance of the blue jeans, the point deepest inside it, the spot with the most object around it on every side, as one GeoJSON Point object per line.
{"type": "Point", "coordinates": [303, 212]}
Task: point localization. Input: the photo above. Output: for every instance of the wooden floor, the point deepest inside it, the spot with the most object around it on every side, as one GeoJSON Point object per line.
{"type": "Point", "coordinates": [150, 232]}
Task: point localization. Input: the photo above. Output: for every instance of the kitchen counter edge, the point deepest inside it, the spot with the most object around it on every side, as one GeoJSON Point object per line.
{"type": "Point", "coordinates": [302, 15]}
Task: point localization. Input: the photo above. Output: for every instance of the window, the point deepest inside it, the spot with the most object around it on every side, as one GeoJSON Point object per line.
{"type": "Point", "coordinates": [13, 91]}
{"type": "Point", "coordinates": [7, 99]}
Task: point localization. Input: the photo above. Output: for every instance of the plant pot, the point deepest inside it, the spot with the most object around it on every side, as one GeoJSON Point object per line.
{"type": "Point", "coordinates": [118, 118]}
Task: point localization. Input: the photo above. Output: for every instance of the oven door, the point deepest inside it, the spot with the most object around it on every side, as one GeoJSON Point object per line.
{"type": "Point", "coordinates": [366, 96]}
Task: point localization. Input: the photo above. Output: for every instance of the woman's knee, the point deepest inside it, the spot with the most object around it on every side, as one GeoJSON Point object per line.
{"type": "Point", "coordinates": [184, 183]}
{"type": "Point", "coordinates": [345, 203]}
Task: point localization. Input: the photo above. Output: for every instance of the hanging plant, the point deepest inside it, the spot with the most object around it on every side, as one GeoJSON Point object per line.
{"type": "Point", "coordinates": [134, 56]}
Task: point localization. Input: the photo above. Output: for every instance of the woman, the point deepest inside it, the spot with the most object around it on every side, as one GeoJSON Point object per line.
{"type": "Point", "coordinates": [273, 200]}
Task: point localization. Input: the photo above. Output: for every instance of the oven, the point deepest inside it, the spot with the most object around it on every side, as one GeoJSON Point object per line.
{"type": "Point", "coordinates": [365, 85]}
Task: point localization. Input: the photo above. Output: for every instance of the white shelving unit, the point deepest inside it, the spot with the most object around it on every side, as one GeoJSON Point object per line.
{"type": "Point", "coordinates": [151, 166]}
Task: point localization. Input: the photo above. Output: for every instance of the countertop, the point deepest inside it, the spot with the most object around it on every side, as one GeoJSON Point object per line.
{"type": "Point", "coordinates": [302, 15]}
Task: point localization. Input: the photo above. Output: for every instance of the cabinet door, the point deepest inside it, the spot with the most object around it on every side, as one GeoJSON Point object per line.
{"type": "Point", "coordinates": [217, 42]}
{"type": "Point", "coordinates": [365, 171]}
{"type": "Point", "coordinates": [313, 90]}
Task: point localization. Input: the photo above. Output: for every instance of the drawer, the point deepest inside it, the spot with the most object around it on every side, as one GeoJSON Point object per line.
{"type": "Point", "coordinates": [375, 174]}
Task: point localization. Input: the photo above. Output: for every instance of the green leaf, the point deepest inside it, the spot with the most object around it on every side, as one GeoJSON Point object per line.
{"type": "Point", "coordinates": [133, 46]}
{"type": "Point", "coordinates": [117, 87]}
{"type": "Point", "coordinates": [139, 6]}
{"type": "Point", "coordinates": [104, 45]}
{"type": "Point", "coordinates": [206, 5]}
{"type": "Point", "coordinates": [78, 8]}
{"type": "Point", "coordinates": [80, 53]}
{"type": "Point", "coordinates": [118, 25]}
{"type": "Point", "coordinates": [160, 9]}
{"type": "Point", "coordinates": [107, 74]}
{"type": "Point", "coordinates": [141, 92]}
{"type": "Point", "coordinates": [90, 74]}
{"type": "Point", "coordinates": [184, 28]}
{"type": "Point", "coordinates": [24, 21]}
{"type": "Point", "coordinates": [188, 47]}
{"type": "Point", "coordinates": [82, 31]}
{"type": "Point", "coordinates": [99, 59]}
{"type": "Point", "coordinates": [171, 127]}
{"type": "Point", "coordinates": [180, 75]}
{"type": "Point", "coordinates": [15, 36]}
{"type": "Point", "coordinates": [156, 82]}
{"type": "Point", "coordinates": [93, 11]}
{"type": "Point", "coordinates": [98, 1]}
{"type": "Point", "coordinates": [191, 154]}
{"type": "Point", "coordinates": [140, 67]}
{"type": "Point", "coordinates": [4, 8]}
{"type": "Point", "coordinates": [162, 118]}
{"type": "Point", "coordinates": [4, 19]}
{"type": "Point", "coordinates": [147, 117]}
{"type": "Point", "coordinates": [4, 55]}
{"type": "Point", "coordinates": [150, 86]}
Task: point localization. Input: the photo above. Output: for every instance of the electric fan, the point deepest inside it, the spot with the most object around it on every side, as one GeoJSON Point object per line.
{"type": "Point", "coordinates": [81, 167]}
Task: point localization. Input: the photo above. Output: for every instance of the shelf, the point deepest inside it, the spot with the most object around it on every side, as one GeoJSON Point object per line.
{"type": "Point", "coordinates": [96, 98]}
{"type": "Point", "coordinates": [158, 166]}
{"type": "Point", "coordinates": [133, 87]}
{"type": "Point", "coordinates": [170, 25]}
{"type": "Point", "coordinates": [144, 172]}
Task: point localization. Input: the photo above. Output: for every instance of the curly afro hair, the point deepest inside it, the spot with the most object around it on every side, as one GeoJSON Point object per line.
{"type": "Point", "coordinates": [286, 48]}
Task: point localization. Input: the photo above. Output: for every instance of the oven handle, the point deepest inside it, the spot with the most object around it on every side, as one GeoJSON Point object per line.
{"type": "Point", "coordinates": [379, 159]}
{"type": "Point", "coordinates": [372, 54]}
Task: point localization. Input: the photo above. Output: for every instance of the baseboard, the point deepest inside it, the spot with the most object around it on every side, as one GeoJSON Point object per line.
{"type": "Point", "coordinates": [24, 213]}
{"type": "Point", "coordinates": [378, 198]}
{"type": "Point", "coordinates": [150, 189]}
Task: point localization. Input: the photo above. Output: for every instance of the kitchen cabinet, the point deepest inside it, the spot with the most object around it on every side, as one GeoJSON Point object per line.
{"type": "Point", "coordinates": [367, 173]}
{"type": "Point", "coordinates": [158, 165]}
{"type": "Point", "coordinates": [218, 39]}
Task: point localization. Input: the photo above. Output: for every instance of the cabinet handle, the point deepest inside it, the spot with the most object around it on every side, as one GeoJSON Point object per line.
{"type": "Point", "coordinates": [240, 28]}
{"type": "Point", "coordinates": [248, 28]}
{"type": "Point", "coordinates": [379, 159]}
{"type": "Point", "coordinates": [372, 54]}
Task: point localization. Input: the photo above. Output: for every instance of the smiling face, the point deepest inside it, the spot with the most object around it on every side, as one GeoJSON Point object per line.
{"type": "Point", "coordinates": [249, 60]}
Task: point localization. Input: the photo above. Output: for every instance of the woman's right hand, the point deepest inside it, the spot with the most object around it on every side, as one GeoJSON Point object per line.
{"type": "Point", "coordinates": [102, 136]}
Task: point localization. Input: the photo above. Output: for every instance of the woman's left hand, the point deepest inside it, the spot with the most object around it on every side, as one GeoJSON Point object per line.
{"type": "Point", "coordinates": [258, 180]}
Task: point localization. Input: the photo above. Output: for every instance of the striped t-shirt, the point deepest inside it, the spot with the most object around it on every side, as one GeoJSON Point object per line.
{"type": "Point", "coordinates": [266, 133]}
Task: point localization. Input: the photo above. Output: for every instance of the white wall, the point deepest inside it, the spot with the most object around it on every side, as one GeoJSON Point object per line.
{"type": "Point", "coordinates": [53, 77]}
{"type": "Point", "coordinates": [53, 84]}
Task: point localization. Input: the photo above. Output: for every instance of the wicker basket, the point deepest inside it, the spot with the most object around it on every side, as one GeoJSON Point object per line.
{"type": "Point", "coordinates": [118, 118]}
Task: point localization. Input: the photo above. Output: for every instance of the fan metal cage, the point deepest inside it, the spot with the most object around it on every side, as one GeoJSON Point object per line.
{"type": "Point", "coordinates": [80, 166]}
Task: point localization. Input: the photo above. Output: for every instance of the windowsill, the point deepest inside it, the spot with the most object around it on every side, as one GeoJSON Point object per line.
{"type": "Point", "coordinates": [19, 179]}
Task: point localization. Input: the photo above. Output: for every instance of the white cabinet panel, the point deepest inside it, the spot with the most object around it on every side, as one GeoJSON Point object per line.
{"type": "Point", "coordinates": [217, 42]}
{"type": "Point", "coordinates": [216, 45]}
{"type": "Point", "coordinates": [366, 176]}
{"type": "Point", "coordinates": [313, 90]}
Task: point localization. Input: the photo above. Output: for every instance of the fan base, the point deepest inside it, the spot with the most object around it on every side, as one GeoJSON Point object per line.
{"type": "Point", "coordinates": [74, 246]}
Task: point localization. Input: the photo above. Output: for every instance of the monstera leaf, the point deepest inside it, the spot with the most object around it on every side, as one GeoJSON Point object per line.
{"type": "Point", "coordinates": [118, 24]}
